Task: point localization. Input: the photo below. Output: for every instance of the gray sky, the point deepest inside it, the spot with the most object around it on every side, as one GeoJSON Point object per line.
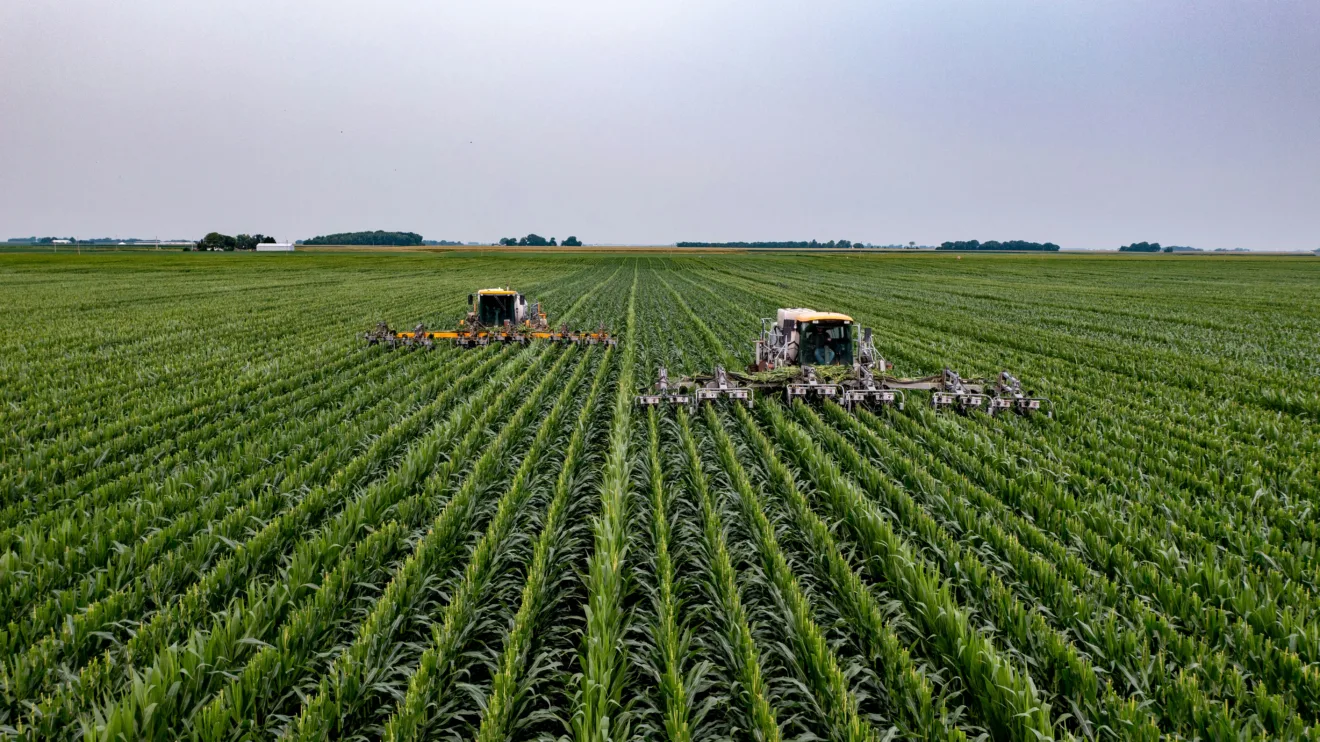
{"type": "Point", "coordinates": [1087, 124]}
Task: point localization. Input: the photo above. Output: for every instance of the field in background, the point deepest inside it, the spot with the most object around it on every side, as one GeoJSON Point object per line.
{"type": "Point", "coordinates": [223, 517]}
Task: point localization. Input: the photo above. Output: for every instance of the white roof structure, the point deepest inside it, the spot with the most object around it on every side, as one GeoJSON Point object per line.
{"type": "Point", "coordinates": [275, 247]}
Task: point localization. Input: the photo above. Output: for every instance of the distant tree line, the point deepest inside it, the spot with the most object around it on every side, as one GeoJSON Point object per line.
{"type": "Point", "coordinates": [788, 245]}
{"type": "Point", "coordinates": [378, 237]}
{"type": "Point", "coordinates": [217, 241]}
{"type": "Point", "coordinates": [77, 241]}
{"type": "Point", "coordinates": [536, 240]}
{"type": "Point", "coordinates": [1006, 245]}
{"type": "Point", "coordinates": [1155, 247]}
{"type": "Point", "coordinates": [38, 240]}
{"type": "Point", "coordinates": [1141, 247]}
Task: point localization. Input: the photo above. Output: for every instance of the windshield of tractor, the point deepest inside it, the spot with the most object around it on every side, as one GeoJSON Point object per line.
{"type": "Point", "coordinates": [493, 309]}
{"type": "Point", "coordinates": [826, 344]}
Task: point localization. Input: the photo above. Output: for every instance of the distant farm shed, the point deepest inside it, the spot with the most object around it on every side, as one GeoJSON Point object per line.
{"type": "Point", "coordinates": [275, 247]}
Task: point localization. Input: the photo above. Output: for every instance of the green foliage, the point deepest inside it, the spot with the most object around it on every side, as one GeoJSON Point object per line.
{"type": "Point", "coordinates": [220, 525]}
{"type": "Point", "coordinates": [531, 240]}
{"type": "Point", "coordinates": [378, 237]}
{"type": "Point", "coordinates": [502, 704]}
{"type": "Point", "coordinates": [217, 241]}
{"type": "Point", "coordinates": [791, 245]}
{"type": "Point", "coordinates": [747, 667]}
{"type": "Point", "coordinates": [1141, 247]}
{"type": "Point", "coordinates": [601, 712]}
{"type": "Point", "coordinates": [997, 246]}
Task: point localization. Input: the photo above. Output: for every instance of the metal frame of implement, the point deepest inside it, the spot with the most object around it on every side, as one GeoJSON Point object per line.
{"type": "Point", "coordinates": [948, 391]}
{"type": "Point", "coordinates": [421, 337]}
{"type": "Point", "coordinates": [531, 325]}
{"type": "Point", "coordinates": [863, 387]}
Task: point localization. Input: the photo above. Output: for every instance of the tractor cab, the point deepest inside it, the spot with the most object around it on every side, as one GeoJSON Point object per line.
{"type": "Point", "coordinates": [805, 337]}
{"type": "Point", "coordinates": [494, 307]}
{"type": "Point", "coordinates": [825, 342]}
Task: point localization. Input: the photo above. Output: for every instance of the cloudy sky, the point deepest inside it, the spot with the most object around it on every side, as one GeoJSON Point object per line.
{"type": "Point", "coordinates": [1087, 124]}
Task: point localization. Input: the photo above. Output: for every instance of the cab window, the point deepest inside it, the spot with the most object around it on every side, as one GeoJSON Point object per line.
{"type": "Point", "coordinates": [826, 344]}
{"type": "Point", "coordinates": [495, 308]}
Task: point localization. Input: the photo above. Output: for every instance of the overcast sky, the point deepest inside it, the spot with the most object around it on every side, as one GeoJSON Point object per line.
{"type": "Point", "coordinates": [1087, 124]}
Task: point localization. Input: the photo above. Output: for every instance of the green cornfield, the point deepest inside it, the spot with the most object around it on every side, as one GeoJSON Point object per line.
{"type": "Point", "coordinates": [224, 517]}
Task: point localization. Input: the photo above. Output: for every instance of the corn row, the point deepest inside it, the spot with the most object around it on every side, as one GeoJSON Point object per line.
{"type": "Point", "coordinates": [824, 676]}
{"type": "Point", "coordinates": [430, 682]}
{"type": "Point", "coordinates": [746, 656]}
{"type": "Point", "coordinates": [240, 629]}
{"type": "Point", "coordinates": [197, 496]}
{"type": "Point", "coordinates": [1003, 694]}
{"type": "Point", "coordinates": [347, 687]}
{"type": "Point", "coordinates": [159, 694]}
{"type": "Point", "coordinates": [1106, 631]}
{"type": "Point", "coordinates": [600, 712]}
{"type": "Point", "coordinates": [668, 631]}
{"type": "Point", "coordinates": [80, 466]}
{"type": "Point", "coordinates": [504, 688]}
{"type": "Point", "coordinates": [923, 712]}
{"type": "Point", "coordinates": [226, 516]}
{"type": "Point", "coordinates": [98, 678]}
{"type": "Point", "coordinates": [55, 510]}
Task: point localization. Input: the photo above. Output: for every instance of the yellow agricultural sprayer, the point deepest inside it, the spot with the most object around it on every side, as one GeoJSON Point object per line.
{"type": "Point", "coordinates": [494, 316]}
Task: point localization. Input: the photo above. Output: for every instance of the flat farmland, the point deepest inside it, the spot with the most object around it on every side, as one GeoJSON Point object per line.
{"type": "Point", "coordinates": [223, 516]}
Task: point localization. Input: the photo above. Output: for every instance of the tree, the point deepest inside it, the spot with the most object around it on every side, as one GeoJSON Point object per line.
{"type": "Point", "coordinates": [378, 237]}
{"type": "Point", "coordinates": [786, 244]}
{"type": "Point", "coordinates": [552, 242]}
{"type": "Point", "coordinates": [1141, 247]}
{"type": "Point", "coordinates": [571, 241]}
{"type": "Point", "coordinates": [1007, 245]}
{"type": "Point", "coordinates": [217, 241]}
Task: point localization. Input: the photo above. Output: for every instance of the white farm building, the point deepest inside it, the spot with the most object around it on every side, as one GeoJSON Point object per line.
{"type": "Point", "coordinates": [275, 247]}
